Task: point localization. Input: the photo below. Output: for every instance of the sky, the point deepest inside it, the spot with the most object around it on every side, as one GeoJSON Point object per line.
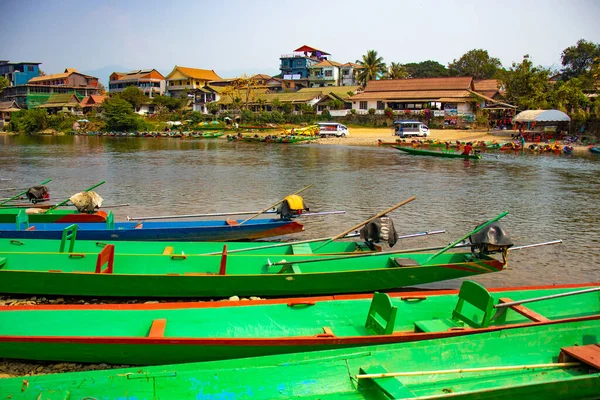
{"type": "Point", "coordinates": [236, 36]}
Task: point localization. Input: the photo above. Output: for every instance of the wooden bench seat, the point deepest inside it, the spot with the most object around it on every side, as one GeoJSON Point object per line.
{"type": "Point", "coordinates": [524, 311]}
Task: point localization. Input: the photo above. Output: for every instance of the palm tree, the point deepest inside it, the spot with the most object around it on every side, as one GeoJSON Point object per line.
{"type": "Point", "coordinates": [396, 71]}
{"type": "Point", "coordinates": [372, 67]}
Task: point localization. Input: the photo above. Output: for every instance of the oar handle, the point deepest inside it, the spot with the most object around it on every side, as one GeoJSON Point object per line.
{"type": "Point", "coordinates": [474, 231]}
{"type": "Point", "coordinates": [62, 203]}
{"type": "Point", "coordinates": [276, 204]}
{"type": "Point", "coordinates": [22, 193]}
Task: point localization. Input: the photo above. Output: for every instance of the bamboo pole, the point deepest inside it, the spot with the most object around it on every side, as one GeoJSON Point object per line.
{"type": "Point", "coordinates": [468, 370]}
{"type": "Point", "coordinates": [226, 214]}
{"type": "Point", "coordinates": [24, 192]}
{"type": "Point", "coordinates": [367, 221]}
{"type": "Point", "coordinates": [274, 205]}
{"type": "Point", "coordinates": [550, 297]}
{"type": "Point", "coordinates": [67, 200]}
{"type": "Point", "coordinates": [474, 231]}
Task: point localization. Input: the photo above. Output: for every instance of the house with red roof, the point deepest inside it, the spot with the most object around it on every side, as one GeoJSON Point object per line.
{"type": "Point", "coordinates": [149, 81]}
{"type": "Point", "coordinates": [91, 102]}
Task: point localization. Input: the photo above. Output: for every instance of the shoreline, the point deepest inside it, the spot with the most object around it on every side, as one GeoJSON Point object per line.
{"type": "Point", "coordinates": [369, 137]}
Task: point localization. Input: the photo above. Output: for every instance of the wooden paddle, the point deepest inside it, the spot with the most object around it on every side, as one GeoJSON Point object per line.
{"type": "Point", "coordinates": [366, 222]}
{"type": "Point", "coordinates": [62, 203]}
{"type": "Point", "coordinates": [22, 193]}
{"type": "Point", "coordinates": [271, 206]}
{"type": "Point", "coordinates": [474, 231]}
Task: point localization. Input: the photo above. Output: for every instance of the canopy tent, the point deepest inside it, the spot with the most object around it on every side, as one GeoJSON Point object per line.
{"type": "Point", "coordinates": [542, 116]}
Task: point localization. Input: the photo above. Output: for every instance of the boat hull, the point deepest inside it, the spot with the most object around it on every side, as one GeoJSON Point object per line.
{"type": "Point", "coordinates": [9, 215]}
{"type": "Point", "coordinates": [123, 334]}
{"type": "Point", "coordinates": [419, 152]}
{"type": "Point", "coordinates": [332, 374]}
{"type": "Point", "coordinates": [205, 231]}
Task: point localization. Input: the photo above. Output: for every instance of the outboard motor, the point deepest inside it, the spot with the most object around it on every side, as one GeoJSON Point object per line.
{"type": "Point", "coordinates": [292, 206]}
{"type": "Point", "coordinates": [38, 194]}
{"type": "Point", "coordinates": [380, 229]}
{"type": "Point", "coordinates": [491, 239]}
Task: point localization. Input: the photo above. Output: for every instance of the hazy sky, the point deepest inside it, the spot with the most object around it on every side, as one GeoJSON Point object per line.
{"type": "Point", "coordinates": [233, 36]}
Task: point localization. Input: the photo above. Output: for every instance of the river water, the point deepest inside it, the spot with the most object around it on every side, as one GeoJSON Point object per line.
{"type": "Point", "coordinates": [548, 196]}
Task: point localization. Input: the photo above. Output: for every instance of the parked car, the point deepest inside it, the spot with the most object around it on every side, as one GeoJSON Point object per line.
{"type": "Point", "coordinates": [333, 129]}
{"type": "Point", "coordinates": [410, 128]}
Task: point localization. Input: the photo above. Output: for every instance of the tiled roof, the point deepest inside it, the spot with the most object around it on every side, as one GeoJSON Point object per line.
{"type": "Point", "coordinates": [420, 84]}
{"type": "Point", "coordinates": [414, 95]}
{"type": "Point", "coordinates": [326, 63]}
{"type": "Point", "coordinates": [351, 65]}
{"type": "Point", "coordinates": [134, 75]}
{"type": "Point", "coordinates": [292, 97]}
{"type": "Point", "coordinates": [8, 106]}
{"type": "Point", "coordinates": [310, 49]}
{"type": "Point", "coordinates": [61, 100]}
{"type": "Point", "coordinates": [49, 77]}
{"type": "Point", "coordinates": [261, 76]}
{"type": "Point", "coordinates": [488, 87]}
{"type": "Point", "coordinates": [204, 74]}
{"type": "Point", "coordinates": [340, 91]}
{"type": "Point", "coordinates": [93, 100]}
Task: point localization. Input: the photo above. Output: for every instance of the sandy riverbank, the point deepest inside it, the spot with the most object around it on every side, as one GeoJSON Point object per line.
{"type": "Point", "coordinates": [370, 136]}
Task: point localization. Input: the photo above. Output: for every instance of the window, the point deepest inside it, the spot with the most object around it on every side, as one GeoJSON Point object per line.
{"type": "Point", "coordinates": [380, 105]}
{"type": "Point", "coordinates": [328, 72]}
{"type": "Point", "coordinates": [298, 63]}
{"type": "Point", "coordinates": [363, 105]}
{"type": "Point", "coordinates": [345, 72]}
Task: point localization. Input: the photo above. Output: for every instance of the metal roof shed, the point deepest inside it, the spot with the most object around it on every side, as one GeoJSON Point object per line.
{"type": "Point", "coordinates": [542, 116]}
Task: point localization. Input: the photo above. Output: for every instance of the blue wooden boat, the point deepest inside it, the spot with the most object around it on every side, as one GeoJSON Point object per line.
{"type": "Point", "coordinates": [182, 231]}
{"type": "Point", "coordinates": [595, 150]}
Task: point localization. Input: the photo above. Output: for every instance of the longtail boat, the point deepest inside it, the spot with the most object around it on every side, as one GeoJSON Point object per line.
{"type": "Point", "coordinates": [543, 362]}
{"type": "Point", "coordinates": [419, 152]}
{"type": "Point", "coordinates": [207, 135]}
{"type": "Point", "coordinates": [186, 332]}
{"type": "Point", "coordinates": [205, 231]}
{"type": "Point", "coordinates": [104, 273]}
{"type": "Point", "coordinates": [594, 149]}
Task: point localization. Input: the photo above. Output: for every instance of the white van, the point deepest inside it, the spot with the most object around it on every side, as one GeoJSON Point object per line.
{"type": "Point", "coordinates": [410, 128]}
{"type": "Point", "coordinates": [333, 129]}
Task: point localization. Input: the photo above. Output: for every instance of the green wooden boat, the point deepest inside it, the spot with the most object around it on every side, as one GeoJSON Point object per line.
{"type": "Point", "coordinates": [419, 152]}
{"type": "Point", "coordinates": [208, 135]}
{"type": "Point", "coordinates": [542, 362]}
{"type": "Point", "coordinates": [186, 332]}
{"type": "Point", "coordinates": [109, 273]}
{"type": "Point", "coordinates": [322, 247]}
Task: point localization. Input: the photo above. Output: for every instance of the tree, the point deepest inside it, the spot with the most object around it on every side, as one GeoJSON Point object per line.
{"type": "Point", "coordinates": [134, 96]}
{"type": "Point", "coordinates": [102, 88]}
{"type": "Point", "coordinates": [426, 69]}
{"type": "Point", "coordinates": [396, 71]}
{"type": "Point", "coordinates": [276, 104]}
{"type": "Point", "coordinates": [171, 103]}
{"type": "Point", "coordinates": [372, 67]}
{"type": "Point", "coordinates": [212, 108]}
{"type": "Point", "coordinates": [476, 63]}
{"type": "Point", "coordinates": [120, 116]}
{"type": "Point", "coordinates": [241, 91]}
{"type": "Point", "coordinates": [4, 83]}
{"type": "Point", "coordinates": [569, 96]}
{"type": "Point", "coordinates": [579, 60]}
{"type": "Point", "coordinates": [526, 86]}
{"type": "Point", "coordinates": [33, 120]}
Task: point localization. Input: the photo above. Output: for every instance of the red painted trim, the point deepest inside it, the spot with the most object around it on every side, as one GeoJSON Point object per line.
{"type": "Point", "coordinates": [284, 341]}
{"type": "Point", "coordinates": [219, 304]}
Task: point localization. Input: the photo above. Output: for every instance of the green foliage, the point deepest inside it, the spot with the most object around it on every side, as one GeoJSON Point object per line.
{"type": "Point", "coordinates": [567, 96]}
{"type": "Point", "coordinates": [336, 104]}
{"type": "Point", "coordinates": [170, 103]}
{"type": "Point", "coordinates": [120, 117]}
{"type": "Point", "coordinates": [307, 109]}
{"type": "Point", "coordinates": [476, 63]}
{"type": "Point", "coordinates": [388, 112]}
{"type": "Point", "coordinates": [372, 65]}
{"type": "Point", "coordinates": [371, 111]}
{"type": "Point", "coordinates": [276, 104]}
{"type": "Point", "coordinates": [325, 114]}
{"type": "Point", "coordinates": [396, 71]}
{"type": "Point", "coordinates": [212, 108]}
{"type": "Point", "coordinates": [134, 96]}
{"type": "Point", "coordinates": [286, 108]}
{"type": "Point", "coordinates": [30, 121]}
{"type": "Point", "coordinates": [353, 111]}
{"type": "Point", "coordinates": [3, 83]}
{"type": "Point", "coordinates": [426, 69]}
{"type": "Point", "coordinates": [63, 121]}
{"type": "Point", "coordinates": [579, 60]}
{"type": "Point", "coordinates": [247, 115]}
{"type": "Point", "coordinates": [526, 86]}
{"type": "Point", "coordinates": [196, 117]}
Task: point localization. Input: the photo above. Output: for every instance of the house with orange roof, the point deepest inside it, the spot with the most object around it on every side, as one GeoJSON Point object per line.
{"type": "Point", "coordinates": [70, 77]}
{"type": "Point", "coordinates": [183, 79]}
{"type": "Point", "coordinates": [149, 81]}
{"type": "Point", "coordinates": [324, 73]}
{"type": "Point", "coordinates": [92, 101]}
{"type": "Point", "coordinates": [348, 72]}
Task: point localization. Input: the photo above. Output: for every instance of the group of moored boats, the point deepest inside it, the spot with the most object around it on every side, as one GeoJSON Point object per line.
{"type": "Point", "coordinates": [166, 134]}
{"type": "Point", "coordinates": [327, 329]}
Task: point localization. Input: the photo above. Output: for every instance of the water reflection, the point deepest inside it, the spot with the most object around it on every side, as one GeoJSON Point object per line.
{"type": "Point", "coordinates": [548, 196]}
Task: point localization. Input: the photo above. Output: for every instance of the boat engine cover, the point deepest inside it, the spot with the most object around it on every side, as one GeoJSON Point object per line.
{"type": "Point", "coordinates": [38, 193]}
{"type": "Point", "coordinates": [292, 206]}
{"type": "Point", "coordinates": [380, 229]}
{"type": "Point", "coordinates": [491, 239]}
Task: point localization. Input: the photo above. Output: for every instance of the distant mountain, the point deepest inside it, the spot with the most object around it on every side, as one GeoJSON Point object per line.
{"type": "Point", "coordinates": [104, 73]}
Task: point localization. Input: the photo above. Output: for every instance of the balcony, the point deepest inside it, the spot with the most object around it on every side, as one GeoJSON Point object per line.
{"type": "Point", "coordinates": [321, 78]}
{"type": "Point", "coordinates": [179, 87]}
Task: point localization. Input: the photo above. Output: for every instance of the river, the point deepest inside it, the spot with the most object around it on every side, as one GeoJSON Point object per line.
{"type": "Point", "coordinates": [548, 196]}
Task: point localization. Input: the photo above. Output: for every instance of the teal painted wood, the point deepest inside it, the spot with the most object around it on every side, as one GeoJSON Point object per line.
{"type": "Point", "coordinates": [332, 374]}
